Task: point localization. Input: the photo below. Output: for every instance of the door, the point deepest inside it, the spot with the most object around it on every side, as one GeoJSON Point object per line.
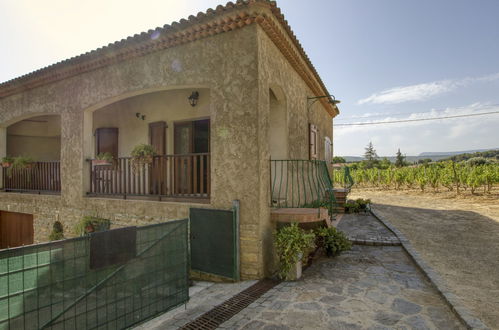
{"type": "Point", "coordinates": [157, 138]}
{"type": "Point", "coordinates": [190, 138]}
{"type": "Point", "coordinates": [16, 229]}
{"type": "Point", "coordinates": [214, 236]}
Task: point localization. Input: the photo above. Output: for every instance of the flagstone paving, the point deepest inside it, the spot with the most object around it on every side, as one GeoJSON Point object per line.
{"type": "Point", "coordinates": [369, 287]}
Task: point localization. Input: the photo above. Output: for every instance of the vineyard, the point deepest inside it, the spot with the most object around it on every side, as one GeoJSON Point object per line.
{"type": "Point", "coordinates": [449, 175]}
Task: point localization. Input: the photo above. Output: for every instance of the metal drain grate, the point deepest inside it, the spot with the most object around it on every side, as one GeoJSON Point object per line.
{"type": "Point", "coordinates": [221, 313]}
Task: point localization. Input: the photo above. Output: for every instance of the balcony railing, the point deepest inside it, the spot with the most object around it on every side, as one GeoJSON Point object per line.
{"type": "Point", "coordinates": [39, 177]}
{"type": "Point", "coordinates": [300, 183]}
{"type": "Point", "coordinates": [178, 176]}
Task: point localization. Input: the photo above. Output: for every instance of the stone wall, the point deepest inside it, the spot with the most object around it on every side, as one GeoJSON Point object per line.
{"type": "Point", "coordinates": [238, 68]}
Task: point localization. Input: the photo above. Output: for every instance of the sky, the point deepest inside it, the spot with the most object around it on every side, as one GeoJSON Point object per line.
{"type": "Point", "coordinates": [386, 60]}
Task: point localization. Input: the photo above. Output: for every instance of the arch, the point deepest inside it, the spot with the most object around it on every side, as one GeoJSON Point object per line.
{"type": "Point", "coordinates": [36, 136]}
{"type": "Point", "coordinates": [278, 124]}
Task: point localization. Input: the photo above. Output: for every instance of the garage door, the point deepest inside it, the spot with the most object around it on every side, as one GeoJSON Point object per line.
{"type": "Point", "coordinates": [16, 229]}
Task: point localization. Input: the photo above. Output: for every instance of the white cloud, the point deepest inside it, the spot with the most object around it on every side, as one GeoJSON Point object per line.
{"type": "Point", "coordinates": [415, 137]}
{"type": "Point", "coordinates": [420, 92]}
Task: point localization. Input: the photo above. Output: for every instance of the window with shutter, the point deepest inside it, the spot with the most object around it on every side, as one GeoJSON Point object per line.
{"type": "Point", "coordinates": [157, 136]}
{"type": "Point", "coordinates": [314, 153]}
{"type": "Point", "coordinates": [328, 150]}
{"type": "Point", "coordinates": [106, 140]}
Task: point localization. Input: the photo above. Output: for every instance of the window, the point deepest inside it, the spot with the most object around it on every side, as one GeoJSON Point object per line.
{"type": "Point", "coordinates": [328, 150]}
{"type": "Point", "coordinates": [106, 140]}
{"type": "Point", "coordinates": [314, 153]}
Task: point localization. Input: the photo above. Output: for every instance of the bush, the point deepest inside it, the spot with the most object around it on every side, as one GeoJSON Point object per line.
{"type": "Point", "coordinates": [107, 156]}
{"type": "Point", "coordinates": [292, 243]}
{"type": "Point", "coordinates": [142, 154]}
{"type": "Point", "coordinates": [332, 240]}
{"type": "Point", "coordinates": [57, 232]}
{"type": "Point", "coordinates": [356, 206]}
{"type": "Point", "coordinates": [91, 224]}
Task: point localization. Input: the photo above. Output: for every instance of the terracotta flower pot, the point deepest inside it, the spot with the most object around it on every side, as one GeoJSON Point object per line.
{"type": "Point", "coordinates": [6, 164]}
{"type": "Point", "coordinates": [101, 162]}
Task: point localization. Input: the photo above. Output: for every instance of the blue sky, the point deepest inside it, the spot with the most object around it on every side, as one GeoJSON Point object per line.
{"type": "Point", "coordinates": [384, 59]}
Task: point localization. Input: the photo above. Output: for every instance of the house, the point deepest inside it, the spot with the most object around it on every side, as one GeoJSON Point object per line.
{"type": "Point", "coordinates": [218, 95]}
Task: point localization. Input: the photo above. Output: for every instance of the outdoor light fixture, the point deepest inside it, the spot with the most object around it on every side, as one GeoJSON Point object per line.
{"type": "Point", "coordinates": [193, 99]}
{"type": "Point", "coordinates": [140, 116]}
{"type": "Point", "coordinates": [312, 100]}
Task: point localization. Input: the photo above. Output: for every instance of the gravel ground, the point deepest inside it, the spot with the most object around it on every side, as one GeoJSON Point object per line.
{"type": "Point", "coordinates": [457, 236]}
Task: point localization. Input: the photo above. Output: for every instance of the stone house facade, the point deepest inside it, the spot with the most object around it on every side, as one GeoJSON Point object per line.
{"type": "Point", "coordinates": [253, 81]}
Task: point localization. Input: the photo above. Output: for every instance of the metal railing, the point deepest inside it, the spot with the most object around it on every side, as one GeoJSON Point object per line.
{"type": "Point", "coordinates": [301, 183]}
{"type": "Point", "coordinates": [342, 177]}
{"type": "Point", "coordinates": [166, 176]}
{"type": "Point", "coordinates": [54, 286]}
{"type": "Point", "coordinates": [35, 177]}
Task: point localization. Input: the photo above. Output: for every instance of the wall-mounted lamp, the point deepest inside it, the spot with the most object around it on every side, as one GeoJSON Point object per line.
{"type": "Point", "coordinates": [193, 99]}
{"type": "Point", "coordinates": [312, 100]}
{"type": "Point", "coordinates": [140, 116]}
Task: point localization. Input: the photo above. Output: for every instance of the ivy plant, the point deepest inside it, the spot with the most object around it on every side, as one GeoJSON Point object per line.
{"type": "Point", "coordinates": [292, 243]}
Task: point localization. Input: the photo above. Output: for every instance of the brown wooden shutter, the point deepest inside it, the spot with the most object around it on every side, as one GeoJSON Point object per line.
{"type": "Point", "coordinates": [157, 137]}
{"type": "Point", "coordinates": [314, 153]}
{"type": "Point", "coordinates": [106, 140]}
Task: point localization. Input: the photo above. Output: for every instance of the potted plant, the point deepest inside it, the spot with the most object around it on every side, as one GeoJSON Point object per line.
{"type": "Point", "coordinates": [7, 161]}
{"type": "Point", "coordinates": [142, 155]}
{"type": "Point", "coordinates": [292, 243]}
{"type": "Point", "coordinates": [103, 159]}
{"type": "Point", "coordinates": [332, 240]}
{"type": "Point", "coordinates": [20, 163]}
{"type": "Point", "coordinates": [57, 232]}
{"type": "Point", "coordinates": [91, 224]}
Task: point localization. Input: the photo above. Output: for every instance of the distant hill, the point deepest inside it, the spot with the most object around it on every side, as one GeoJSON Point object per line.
{"type": "Point", "coordinates": [434, 156]}
{"type": "Point", "coordinates": [453, 153]}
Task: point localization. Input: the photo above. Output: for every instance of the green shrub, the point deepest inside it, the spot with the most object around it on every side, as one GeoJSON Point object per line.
{"type": "Point", "coordinates": [358, 205]}
{"type": "Point", "coordinates": [142, 154]}
{"type": "Point", "coordinates": [90, 224]}
{"type": "Point", "coordinates": [19, 163]}
{"type": "Point", "coordinates": [332, 240]}
{"type": "Point", "coordinates": [292, 243]}
{"type": "Point", "coordinates": [57, 232]}
{"type": "Point", "coordinates": [107, 156]}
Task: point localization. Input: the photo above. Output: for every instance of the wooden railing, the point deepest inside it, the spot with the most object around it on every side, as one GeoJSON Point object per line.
{"type": "Point", "coordinates": [167, 176]}
{"type": "Point", "coordinates": [36, 177]}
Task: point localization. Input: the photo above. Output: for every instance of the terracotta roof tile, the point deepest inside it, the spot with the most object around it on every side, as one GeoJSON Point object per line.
{"type": "Point", "coordinates": [186, 30]}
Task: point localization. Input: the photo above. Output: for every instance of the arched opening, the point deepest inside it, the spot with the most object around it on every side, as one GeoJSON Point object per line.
{"type": "Point", "coordinates": [31, 155]}
{"type": "Point", "coordinates": [278, 126]}
{"type": "Point", "coordinates": [177, 131]}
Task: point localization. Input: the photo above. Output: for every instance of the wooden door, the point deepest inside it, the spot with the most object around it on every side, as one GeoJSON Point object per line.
{"type": "Point", "coordinates": [159, 170]}
{"type": "Point", "coordinates": [16, 229]}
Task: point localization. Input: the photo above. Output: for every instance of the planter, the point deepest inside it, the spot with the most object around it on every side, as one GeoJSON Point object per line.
{"type": "Point", "coordinates": [6, 164]}
{"type": "Point", "coordinates": [101, 162]}
{"type": "Point", "coordinates": [296, 271]}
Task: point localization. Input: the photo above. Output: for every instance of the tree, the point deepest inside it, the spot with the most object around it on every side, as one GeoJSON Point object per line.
{"type": "Point", "coordinates": [370, 156]}
{"type": "Point", "coordinates": [370, 153]}
{"type": "Point", "coordinates": [338, 159]}
{"type": "Point", "coordinates": [400, 159]}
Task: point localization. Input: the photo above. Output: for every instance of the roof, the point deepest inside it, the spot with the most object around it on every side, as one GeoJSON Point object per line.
{"type": "Point", "coordinates": [214, 21]}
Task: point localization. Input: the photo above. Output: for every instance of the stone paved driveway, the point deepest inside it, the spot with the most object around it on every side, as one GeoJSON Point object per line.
{"type": "Point", "coordinates": [369, 287]}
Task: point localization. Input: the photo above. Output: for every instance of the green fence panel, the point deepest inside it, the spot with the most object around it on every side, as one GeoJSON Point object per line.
{"type": "Point", "coordinates": [51, 285]}
{"type": "Point", "coordinates": [215, 241]}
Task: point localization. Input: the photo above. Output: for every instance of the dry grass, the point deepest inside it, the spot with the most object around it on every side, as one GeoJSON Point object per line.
{"type": "Point", "coordinates": [457, 235]}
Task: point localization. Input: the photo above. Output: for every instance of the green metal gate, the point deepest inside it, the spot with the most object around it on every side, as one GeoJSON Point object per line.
{"type": "Point", "coordinates": [59, 285]}
{"type": "Point", "coordinates": [215, 241]}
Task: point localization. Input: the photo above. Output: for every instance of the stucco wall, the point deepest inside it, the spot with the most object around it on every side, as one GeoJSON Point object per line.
{"type": "Point", "coordinates": [276, 73]}
{"type": "Point", "coordinates": [226, 64]}
{"type": "Point", "coordinates": [237, 69]}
